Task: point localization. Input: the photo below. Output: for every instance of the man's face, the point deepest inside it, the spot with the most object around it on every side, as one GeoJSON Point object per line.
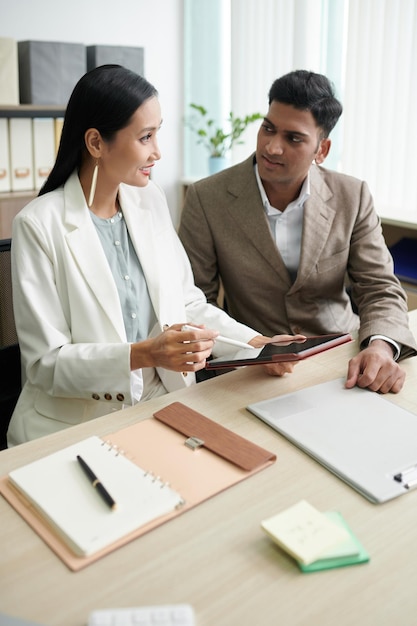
{"type": "Point", "coordinates": [288, 142]}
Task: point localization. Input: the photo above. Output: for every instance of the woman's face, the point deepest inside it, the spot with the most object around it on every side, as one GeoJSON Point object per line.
{"type": "Point", "coordinates": [130, 156]}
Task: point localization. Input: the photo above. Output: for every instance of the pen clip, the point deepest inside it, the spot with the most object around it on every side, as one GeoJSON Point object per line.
{"type": "Point", "coordinates": [408, 477]}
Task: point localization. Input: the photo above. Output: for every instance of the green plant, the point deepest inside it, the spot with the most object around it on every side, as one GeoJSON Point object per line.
{"type": "Point", "coordinates": [218, 141]}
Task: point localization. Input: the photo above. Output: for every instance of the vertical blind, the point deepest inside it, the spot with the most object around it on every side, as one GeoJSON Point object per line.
{"type": "Point", "coordinates": [380, 100]}
{"type": "Point", "coordinates": [368, 48]}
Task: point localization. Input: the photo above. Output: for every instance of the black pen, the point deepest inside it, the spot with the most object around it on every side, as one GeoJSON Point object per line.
{"type": "Point", "coordinates": [96, 483]}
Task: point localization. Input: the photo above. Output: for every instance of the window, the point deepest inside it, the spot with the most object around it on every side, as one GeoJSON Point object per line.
{"type": "Point", "coordinates": [368, 48]}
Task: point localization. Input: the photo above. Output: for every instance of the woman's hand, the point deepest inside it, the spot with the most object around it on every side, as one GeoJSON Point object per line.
{"type": "Point", "coordinates": [174, 349]}
{"type": "Point", "coordinates": [280, 340]}
{"type": "Point", "coordinates": [277, 369]}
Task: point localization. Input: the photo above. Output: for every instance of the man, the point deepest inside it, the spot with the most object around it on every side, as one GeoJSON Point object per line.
{"type": "Point", "coordinates": [283, 235]}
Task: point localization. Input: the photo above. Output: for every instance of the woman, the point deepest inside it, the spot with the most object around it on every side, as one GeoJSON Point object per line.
{"type": "Point", "coordinates": [101, 284]}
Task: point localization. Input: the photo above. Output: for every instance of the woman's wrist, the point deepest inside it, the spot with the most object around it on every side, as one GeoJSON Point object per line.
{"type": "Point", "coordinates": [141, 355]}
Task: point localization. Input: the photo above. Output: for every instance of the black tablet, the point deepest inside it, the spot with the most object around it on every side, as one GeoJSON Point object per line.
{"type": "Point", "coordinates": [279, 352]}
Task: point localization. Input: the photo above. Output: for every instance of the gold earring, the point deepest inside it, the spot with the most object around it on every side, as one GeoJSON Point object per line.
{"type": "Point", "coordinates": [93, 185]}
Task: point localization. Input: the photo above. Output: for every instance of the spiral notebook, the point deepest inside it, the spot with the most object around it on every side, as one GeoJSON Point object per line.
{"type": "Point", "coordinates": [195, 455]}
{"type": "Point", "coordinates": [59, 490]}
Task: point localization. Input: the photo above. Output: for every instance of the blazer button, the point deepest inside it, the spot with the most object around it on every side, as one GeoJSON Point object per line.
{"type": "Point", "coordinates": [120, 397]}
{"type": "Point", "coordinates": [108, 396]}
{"type": "Point", "coordinates": [95, 396]}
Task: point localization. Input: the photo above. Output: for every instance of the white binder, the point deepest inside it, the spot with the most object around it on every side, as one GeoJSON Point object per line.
{"type": "Point", "coordinates": [4, 155]}
{"type": "Point", "coordinates": [58, 122]}
{"type": "Point", "coordinates": [21, 153]}
{"type": "Point", "coordinates": [357, 434]}
{"type": "Point", "coordinates": [43, 148]}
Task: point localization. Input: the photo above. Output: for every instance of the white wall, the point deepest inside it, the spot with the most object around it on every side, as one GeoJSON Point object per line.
{"type": "Point", "coordinates": [155, 25]}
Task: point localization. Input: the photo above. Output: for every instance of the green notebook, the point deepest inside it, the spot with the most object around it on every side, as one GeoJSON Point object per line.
{"type": "Point", "coordinates": [351, 552]}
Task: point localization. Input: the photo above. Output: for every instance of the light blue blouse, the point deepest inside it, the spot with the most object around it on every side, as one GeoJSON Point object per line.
{"type": "Point", "coordinates": [138, 312]}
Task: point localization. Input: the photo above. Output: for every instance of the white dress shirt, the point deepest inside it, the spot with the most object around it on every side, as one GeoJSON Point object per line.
{"type": "Point", "coordinates": [287, 228]}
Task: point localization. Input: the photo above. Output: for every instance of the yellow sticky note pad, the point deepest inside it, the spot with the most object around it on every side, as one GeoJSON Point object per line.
{"type": "Point", "coordinates": [304, 532]}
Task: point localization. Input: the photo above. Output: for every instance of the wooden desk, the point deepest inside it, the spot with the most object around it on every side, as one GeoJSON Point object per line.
{"type": "Point", "coordinates": [215, 556]}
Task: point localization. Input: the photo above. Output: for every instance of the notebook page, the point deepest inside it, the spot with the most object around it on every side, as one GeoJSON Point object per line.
{"type": "Point", "coordinates": [58, 488]}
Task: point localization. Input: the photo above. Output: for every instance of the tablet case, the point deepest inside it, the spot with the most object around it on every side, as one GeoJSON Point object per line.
{"type": "Point", "coordinates": [274, 353]}
{"type": "Point", "coordinates": [196, 456]}
{"type": "Point", "coordinates": [357, 434]}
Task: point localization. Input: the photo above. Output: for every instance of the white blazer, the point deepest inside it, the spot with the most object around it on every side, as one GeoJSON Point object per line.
{"type": "Point", "coordinates": [75, 355]}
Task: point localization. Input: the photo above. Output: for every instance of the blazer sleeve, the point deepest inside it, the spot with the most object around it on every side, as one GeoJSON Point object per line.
{"type": "Point", "coordinates": [200, 248]}
{"type": "Point", "coordinates": [378, 294]}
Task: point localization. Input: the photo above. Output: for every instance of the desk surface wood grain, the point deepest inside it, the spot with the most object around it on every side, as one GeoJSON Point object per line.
{"type": "Point", "coordinates": [216, 556]}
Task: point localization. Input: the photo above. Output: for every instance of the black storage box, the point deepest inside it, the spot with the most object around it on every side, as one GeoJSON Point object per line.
{"type": "Point", "coordinates": [49, 71]}
{"type": "Point", "coordinates": [130, 57]}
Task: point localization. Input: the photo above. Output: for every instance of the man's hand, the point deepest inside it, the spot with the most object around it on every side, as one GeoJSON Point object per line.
{"type": "Point", "coordinates": [277, 369]}
{"type": "Point", "coordinates": [374, 368]}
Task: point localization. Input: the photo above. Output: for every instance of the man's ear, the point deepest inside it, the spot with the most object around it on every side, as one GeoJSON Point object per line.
{"type": "Point", "coordinates": [323, 150]}
{"type": "Point", "coordinates": [93, 142]}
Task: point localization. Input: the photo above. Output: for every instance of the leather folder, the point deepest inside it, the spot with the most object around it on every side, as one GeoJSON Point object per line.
{"type": "Point", "coordinates": [196, 456]}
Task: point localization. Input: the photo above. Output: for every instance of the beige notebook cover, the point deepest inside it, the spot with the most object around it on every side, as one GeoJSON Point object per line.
{"type": "Point", "coordinates": [196, 456]}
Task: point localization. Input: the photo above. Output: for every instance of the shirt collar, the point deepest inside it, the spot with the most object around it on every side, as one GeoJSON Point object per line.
{"type": "Point", "coordinates": [298, 202]}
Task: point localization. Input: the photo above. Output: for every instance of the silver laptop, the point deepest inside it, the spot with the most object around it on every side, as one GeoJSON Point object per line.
{"type": "Point", "coordinates": [357, 434]}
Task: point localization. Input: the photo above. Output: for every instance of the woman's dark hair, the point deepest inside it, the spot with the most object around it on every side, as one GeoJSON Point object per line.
{"type": "Point", "coordinates": [105, 98]}
{"type": "Point", "coordinates": [308, 91]}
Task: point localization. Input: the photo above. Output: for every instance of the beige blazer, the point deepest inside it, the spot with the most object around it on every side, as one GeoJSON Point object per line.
{"type": "Point", "coordinates": [226, 234]}
{"type": "Point", "coordinates": [69, 321]}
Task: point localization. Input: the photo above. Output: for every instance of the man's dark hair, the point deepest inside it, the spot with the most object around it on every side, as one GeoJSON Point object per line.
{"type": "Point", "coordinates": [308, 91]}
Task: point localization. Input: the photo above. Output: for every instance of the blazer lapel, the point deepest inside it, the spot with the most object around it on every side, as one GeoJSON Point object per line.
{"type": "Point", "coordinates": [317, 223]}
{"type": "Point", "coordinates": [250, 217]}
{"type": "Point", "coordinates": [142, 234]}
{"type": "Point", "coordinates": [86, 248]}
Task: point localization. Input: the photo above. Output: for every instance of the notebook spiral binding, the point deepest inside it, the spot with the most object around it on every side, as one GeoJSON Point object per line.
{"type": "Point", "coordinates": [147, 473]}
